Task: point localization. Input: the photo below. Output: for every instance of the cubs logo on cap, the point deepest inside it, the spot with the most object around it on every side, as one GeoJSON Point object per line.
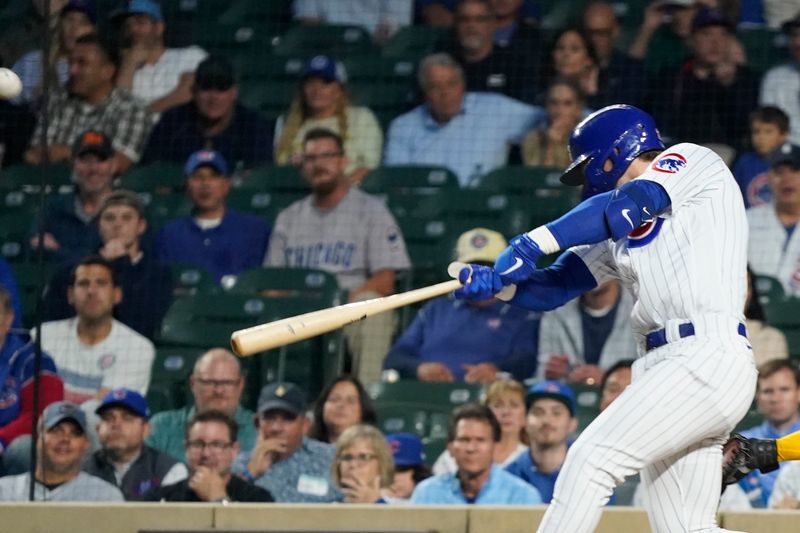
{"type": "Point", "coordinates": [669, 164]}
{"type": "Point", "coordinates": [127, 398]}
{"type": "Point", "coordinates": [206, 158]}
{"type": "Point", "coordinates": [554, 390]}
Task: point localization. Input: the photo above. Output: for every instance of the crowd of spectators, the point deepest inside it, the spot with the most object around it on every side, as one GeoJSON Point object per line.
{"type": "Point", "coordinates": [500, 87]}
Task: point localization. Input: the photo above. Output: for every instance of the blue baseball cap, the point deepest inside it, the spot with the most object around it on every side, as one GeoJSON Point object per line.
{"type": "Point", "coordinates": [86, 7]}
{"type": "Point", "coordinates": [555, 390]}
{"type": "Point", "coordinates": [210, 158]}
{"type": "Point", "coordinates": [127, 398]}
{"type": "Point", "coordinates": [57, 412]}
{"type": "Point", "coordinates": [326, 68]}
{"type": "Point", "coordinates": [141, 7]}
{"type": "Point", "coordinates": [707, 16]}
{"type": "Point", "coordinates": [406, 449]}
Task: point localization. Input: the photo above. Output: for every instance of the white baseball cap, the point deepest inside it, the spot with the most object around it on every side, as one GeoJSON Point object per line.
{"type": "Point", "coordinates": [480, 245]}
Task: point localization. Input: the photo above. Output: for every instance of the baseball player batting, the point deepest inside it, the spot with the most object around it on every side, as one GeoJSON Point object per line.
{"type": "Point", "coordinates": [670, 226]}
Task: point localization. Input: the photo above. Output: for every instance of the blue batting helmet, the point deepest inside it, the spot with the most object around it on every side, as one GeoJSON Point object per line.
{"type": "Point", "coordinates": [617, 132]}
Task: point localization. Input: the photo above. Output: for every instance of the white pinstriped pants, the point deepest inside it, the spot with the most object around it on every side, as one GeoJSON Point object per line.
{"type": "Point", "coordinates": [670, 424]}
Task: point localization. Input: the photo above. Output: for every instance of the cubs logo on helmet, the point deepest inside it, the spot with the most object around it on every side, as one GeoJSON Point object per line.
{"type": "Point", "coordinates": [669, 163]}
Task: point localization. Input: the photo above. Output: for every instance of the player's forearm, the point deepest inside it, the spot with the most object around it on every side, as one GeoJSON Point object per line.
{"type": "Point", "coordinates": [555, 285]}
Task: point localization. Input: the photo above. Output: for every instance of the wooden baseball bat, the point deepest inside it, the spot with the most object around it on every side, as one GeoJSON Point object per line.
{"type": "Point", "coordinates": [300, 327]}
{"type": "Point", "coordinates": [246, 342]}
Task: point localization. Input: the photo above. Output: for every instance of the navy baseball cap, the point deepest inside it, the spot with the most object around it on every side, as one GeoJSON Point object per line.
{"type": "Point", "coordinates": [140, 7]}
{"type": "Point", "coordinates": [283, 397]}
{"type": "Point", "coordinates": [93, 142]}
{"type": "Point", "coordinates": [406, 449]}
{"type": "Point", "coordinates": [214, 72]}
{"type": "Point", "coordinates": [707, 16]}
{"type": "Point", "coordinates": [84, 6]}
{"type": "Point", "coordinates": [326, 68]}
{"type": "Point", "coordinates": [555, 390]}
{"type": "Point", "coordinates": [785, 154]}
{"type": "Point", "coordinates": [57, 412]}
{"type": "Point", "coordinates": [209, 158]}
{"type": "Point", "coordinates": [127, 398]}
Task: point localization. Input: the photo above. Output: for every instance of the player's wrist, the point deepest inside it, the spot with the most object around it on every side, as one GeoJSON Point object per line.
{"type": "Point", "coordinates": [527, 248]}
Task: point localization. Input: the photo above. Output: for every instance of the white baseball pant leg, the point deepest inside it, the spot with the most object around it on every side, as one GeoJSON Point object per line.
{"type": "Point", "coordinates": [684, 400]}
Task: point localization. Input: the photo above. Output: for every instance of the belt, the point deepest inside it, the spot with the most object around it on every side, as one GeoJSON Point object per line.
{"type": "Point", "coordinates": [658, 338]}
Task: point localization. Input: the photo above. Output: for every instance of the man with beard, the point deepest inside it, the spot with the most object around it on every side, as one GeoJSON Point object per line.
{"type": "Point", "coordinates": [214, 237]}
{"type": "Point", "coordinates": [551, 419]}
{"type": "Point", "coordinates": [90, 101]}
{"type": "Point", "coordinates": [60, 448]}
{"type": "Point", "coordinates": [472, 435]}
{"type": "Point", "coordinates": [161, 76]}
{"type": "Point", "coordinates": [213, 120]}
{"type": "Point", "coordinates": [216, 384]}
{"type": "Point", "coordinates": [344, 231]}
{"type": "Point", "coordinates": [211, 448]}
{"type": "Point", "coordinates": [124, 459]}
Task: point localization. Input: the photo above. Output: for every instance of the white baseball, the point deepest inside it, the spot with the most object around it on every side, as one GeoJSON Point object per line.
{"type": "Point", "coordinates": [10, 84]}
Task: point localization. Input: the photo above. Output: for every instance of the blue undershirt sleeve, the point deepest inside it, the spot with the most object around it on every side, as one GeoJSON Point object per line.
{"type": "Point", "coordinates": [555, 285]}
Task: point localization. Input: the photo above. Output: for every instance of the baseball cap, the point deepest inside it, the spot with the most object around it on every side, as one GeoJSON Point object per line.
{"type": "Point", "coordinates": [84, 6]}
{"type": "Point", "coordinates": [792, 24]}
{"type": "Point", "coordinates": [93, 142]}
{"type": "Point", "coordinates": [554, 390]}
{"type": "Point", "coordinates": [480, 245]}
{"type": "Point", "coordinates": [406, 449]}
{"type": "Point", "coordinates": [209, 158]}
{"type": "Point", "coordinates": [785, 154]}
{"type": "Point", "coordinates": [325, 67]}
{"type": "Point", "coordinates": [57, 412]}
{"type": "Point", "coordinates": [140, 7]}
{"type": "Point", "coordinates": [214, 72]}
{"type": "Point", "coordinates": [127, 398]}
{"type": "Point", "coordinates": [707, 16]}
{"type": "Point", "coordinates": [282, 396]}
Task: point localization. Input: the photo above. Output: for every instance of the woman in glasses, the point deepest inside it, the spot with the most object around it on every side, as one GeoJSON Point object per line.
{"type": "Point", "coordinates": [362, 465]}
{"type": "Point", "coordinates": [322, 102]}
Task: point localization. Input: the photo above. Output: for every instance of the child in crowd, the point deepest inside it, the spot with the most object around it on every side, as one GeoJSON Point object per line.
{"type": "Point", "coordinates": [769, 128]}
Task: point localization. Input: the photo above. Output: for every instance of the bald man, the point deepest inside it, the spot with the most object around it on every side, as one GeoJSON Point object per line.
{"type": "Point", "coordinates": [216, 384]}
{"type": "Point", "coordinates": [623, 75]}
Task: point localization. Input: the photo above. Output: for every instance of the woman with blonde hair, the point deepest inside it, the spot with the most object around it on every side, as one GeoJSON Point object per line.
{"type": "Point", "coordinates": [322, 102]}
{"type": "Point", "coordinates": [506, 399]}
{"type": "Point", "coordinates": [362, 464]}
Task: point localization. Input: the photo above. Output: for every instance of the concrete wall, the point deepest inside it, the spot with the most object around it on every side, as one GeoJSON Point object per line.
{"type": "Point", "coordinates": [135, 517]}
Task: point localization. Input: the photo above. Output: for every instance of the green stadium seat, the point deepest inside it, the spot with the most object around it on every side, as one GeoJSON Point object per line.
{"type": "Point", "coordinates": [372, 69]}
{"type": "Point", "coordinates": [156, 176]}
{"type": "Point", "coordinates": [263, 204]}
{"type": "Point", "coordinates": [380, 95]}
{"type": "Point", "coordinates": [416, 41]}
{"type": "Point", "coordinates": [191, 279]}
{"type": "Point", "coordinates": [174, 363]}
{"type": "Point", "coordinates": [14, 236]}
{"type": "Point", "coordinates": [272, 97]}
{"type": "Point", "coordinates": [780, 309]}
{"type": "Point", "coordinates": [751, 419]}
{"type": "Point", "coordinates": [769, 290]}
{"type": "Point", "coordinates": [290, 282]}
{"type": "Point", "coordinates": [22, 176]}
{"type": "Point", "coordinates": [274, 178]}
{"type": "Point", "coordinates": [441, 396]}
{"type": "Point", "coordinates": [399, 418]}
{"type": "Point", "coordinates": [338, 41]}
{"type": "Point", "coordinates": [29, 279]}
{"type": "Point", "coordinates": [406, 178]}
{"type": "Point", "coordinates": [410, 204]}
{"type": "Point", "coordinates": [160, 209]}
{"type": "Point", "coordinates": [20, 203]}
{"type": "Point", "coordinates": [521, 179]}
{"type": "Point", "coordinates": [792, 340]}
{"type": "Point", "coordinates": [434, 447]}
{"type": "Point", "coordinates": [161, 397]}
{"type": "Point", "coordinates": [588, 399]}
{"type": "Point", "coordinates": [763, 47]}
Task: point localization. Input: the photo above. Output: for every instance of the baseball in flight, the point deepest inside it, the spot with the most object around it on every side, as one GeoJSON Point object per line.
{"type": "Point", "coordinates": [10, 84]}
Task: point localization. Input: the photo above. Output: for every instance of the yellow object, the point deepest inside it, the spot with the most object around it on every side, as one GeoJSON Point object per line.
{"type": "Point", "coordinates": [789, 447]}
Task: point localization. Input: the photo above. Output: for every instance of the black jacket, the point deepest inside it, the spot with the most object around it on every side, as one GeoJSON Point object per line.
{"type": "Point", "coordinates": [238, 491]}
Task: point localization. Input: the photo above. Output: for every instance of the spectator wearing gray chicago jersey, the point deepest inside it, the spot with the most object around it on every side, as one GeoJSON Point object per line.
{"type": "Point", "coordinates": [348, 233]}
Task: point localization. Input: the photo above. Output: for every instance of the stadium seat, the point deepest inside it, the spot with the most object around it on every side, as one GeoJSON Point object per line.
{"type": "Point", "coordinates": [20, 203]}
{"type": "Point", "coordinates": [401, 69]}
{"type": "Point", "coordinates": [272, 97]}
{"type": "Point", "coordinates": [339, 41]}
{"type": "Point", "coordinates": [274, 178]}
{"type": "Point", "coordinates": [263, 204]}
{"type": "Point", "coordinates": [30, 178]}
{"type": "Point", "coordinates": [410, 204]}
{"type": "Point", "coordinates": [416, 41]}
{"type": "Point", "coordinates": [161, 396]}
{"type": "Point", "coordinates": [190, 279]}
{"type": "Point", "coordinates": [751, 419]}
{"type": "Point", "coordinates": [290, 282]}
{"type": "Point", "coordinates": [763, 47]}
{"type": "Point", "coordinates": [588, 399]}
{"type": "Point", "coordinates": [394, 95]}
{"type": "Point", "coordinates": [780, 309]}
{"type": "Point", "coordinates": [13, 236]}
{"type": "Point", "coordinates": [29, 279]}
{"type": "Point", "coordinates": [443, 396]}
{"type": "Point", "coordinates": [156, 176]}
{"type": "Point", "coordinates": [160, 209]}
{"type": "Point", "coordinates": [405, 178]}
{"type": "Point", "coordinates": [399, 418]}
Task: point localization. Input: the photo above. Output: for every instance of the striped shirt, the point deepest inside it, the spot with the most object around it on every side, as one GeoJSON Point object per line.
{"type": "Point", "coordinates": [121, 116]}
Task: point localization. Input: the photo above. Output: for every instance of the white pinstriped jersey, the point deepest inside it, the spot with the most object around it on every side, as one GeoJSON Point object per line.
{"type": "Point", "coordinates": [689, 261]}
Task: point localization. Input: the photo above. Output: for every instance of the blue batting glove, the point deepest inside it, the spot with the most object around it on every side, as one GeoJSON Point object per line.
{"type": "Point", "coordinates": [483, 284]}
{"type": "Point", "coordinates": [518, 262]}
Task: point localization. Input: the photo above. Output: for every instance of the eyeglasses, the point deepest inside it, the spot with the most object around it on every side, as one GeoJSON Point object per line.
{"type": "Point", "coordinates": [215, 446]}
{"type": "Point", "coordinates": [357, 458]}
{"type": "Point", "coordinates": [218, 382]}
{"type": "Point", "coordinates": [324, 156]}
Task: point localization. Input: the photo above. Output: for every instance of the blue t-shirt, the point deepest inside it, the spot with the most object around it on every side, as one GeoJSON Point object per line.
{"type": "Point", "coordinates": [750, 171]}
